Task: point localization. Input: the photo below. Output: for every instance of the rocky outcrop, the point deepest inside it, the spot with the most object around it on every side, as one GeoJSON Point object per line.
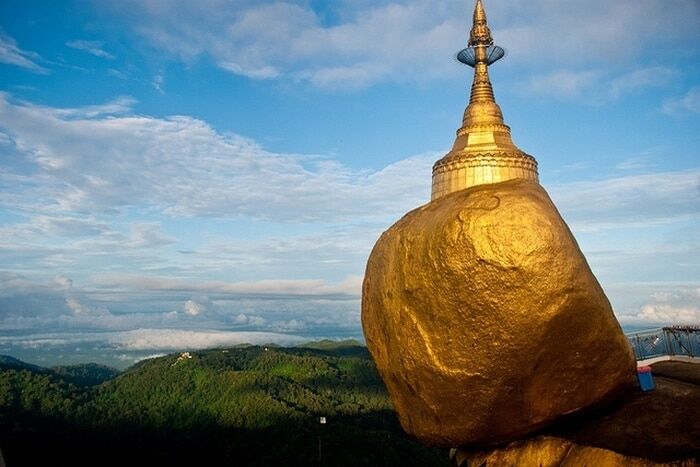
{"type": "Point", "coordinates": [640, 429]}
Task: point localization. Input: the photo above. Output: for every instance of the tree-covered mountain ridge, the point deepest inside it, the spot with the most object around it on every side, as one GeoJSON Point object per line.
{"type": "Point", "coordinates": [248, 405]}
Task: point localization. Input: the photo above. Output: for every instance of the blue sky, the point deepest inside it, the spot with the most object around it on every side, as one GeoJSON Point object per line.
{"type": "Point", "coordinates": [179, 174]}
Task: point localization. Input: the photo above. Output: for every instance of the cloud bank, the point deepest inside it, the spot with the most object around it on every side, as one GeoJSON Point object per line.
{"type": "Point", "coordinates": [664, 308]}
{"type": "Point", "coordinates": [102, 189]}
{"type": "Point", "coordinates": [355, 44]}
{"type": "Point", "coordinates": [90, 160]}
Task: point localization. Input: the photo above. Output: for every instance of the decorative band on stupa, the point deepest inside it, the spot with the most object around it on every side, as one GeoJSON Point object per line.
{"type": "Point", "coordinates": [483, 151]}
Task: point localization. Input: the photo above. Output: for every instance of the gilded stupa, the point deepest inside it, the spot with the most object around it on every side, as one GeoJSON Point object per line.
{"type": "Point", "coordinates": [483, 151]}
{"type": "Point", "coordinates": [479, 309]}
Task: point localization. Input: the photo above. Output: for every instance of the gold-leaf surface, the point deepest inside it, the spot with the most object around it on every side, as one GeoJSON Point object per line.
{"type": "Point", "coordinates": [485, 320]}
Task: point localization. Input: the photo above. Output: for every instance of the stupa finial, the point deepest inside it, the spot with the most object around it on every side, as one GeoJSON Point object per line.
{"type": "Point", "coordinates": [480, 33]}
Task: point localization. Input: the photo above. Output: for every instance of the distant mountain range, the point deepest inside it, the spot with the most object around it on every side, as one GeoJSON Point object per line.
{"type": "Point", "coordinates": [82, 375]}
{"type": "Point", "coordinates": [243, 406]}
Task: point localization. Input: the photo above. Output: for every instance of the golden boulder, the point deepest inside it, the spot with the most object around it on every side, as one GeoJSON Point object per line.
{"type": "Point", "coordinates": [485, 321]}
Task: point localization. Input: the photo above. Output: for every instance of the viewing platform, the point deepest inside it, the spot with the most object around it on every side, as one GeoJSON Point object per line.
{"type": "Point", "coordinates": [676, 343]}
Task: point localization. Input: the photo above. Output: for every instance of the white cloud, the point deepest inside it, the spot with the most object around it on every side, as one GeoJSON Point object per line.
{"type": "Point", "coordinates": [80, 308]}
{"type": "Point", "coordinates": [119, 74]}
{"type": "Point", "coordinates": [68, 243]}
{"type": "Point", "coordinates": [291, 325]}
{"type": "Point", "coordinates": [242, 318]}
{"type": "Point", "coordinates": [177, 339]}
{"type": "Point", "coordinates": [273, 39]}
{"type": "Point", "coordinates": [11, 54]}
{"type": "Point", "coordinates": [284, 287]}
{"type": "Point", "coordinates": [688, 104]}
{"type": "Point", "coordinates": [640, 79]}
{"type": "Point", "coordinates": [564, 83]}
{"type": "Point", "coordinates": [600, 31]}
{"type": "Point", "coordinates": [157, 82]}
{"type": "Point", "coordinates": [118, 106]}
{"type": "Point", "coordinates": [636, 162]}
{"type": "Point", "coordinates": [257, 321]}
{"type": "Point", "coordinates": [91, 47]}
{"type": "Point", "coordinates": [138, 358]}
{"type": "Point", "coordinates": [63, 282]}
{"type": "Point", "coordinates": [250, 320]}
{"type": "Point", "coordinates": [193, 308]}
{"type": "Point", "coordinates": [680, 307]}
{"type": "Point", "coordinates": [630, 200]}
{"type": "Point", "coordinates": [12, 283]}
{"type": "Point", "coordinates": [598, 86]}
{"type": "Point", "coordinates": [311, 306]}
{"type": "Point", "coordinates": [406, 40]}
{"type": "Point", "coordinates": [663, 313]}
{"type": "Point", "coordinates": [63, 226]}
{"type": "Point", "coordinates": [147, 235]}
{"type": "Point", "coordinates": [136, 345]}
{"type": "Point", "coordinates": [89, 161]}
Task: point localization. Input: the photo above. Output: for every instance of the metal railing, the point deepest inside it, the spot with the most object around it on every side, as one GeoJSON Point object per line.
{"type": "Point", "coordinates": [675, 341]}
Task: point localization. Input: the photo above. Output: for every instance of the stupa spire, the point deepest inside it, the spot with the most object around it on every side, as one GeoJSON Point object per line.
{"type": "Point", "coordinates": [483, 151]}
{"type": "Point", "coordinates": [480, 33]}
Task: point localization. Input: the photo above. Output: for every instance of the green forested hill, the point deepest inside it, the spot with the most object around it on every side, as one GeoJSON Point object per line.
{"type": "Point", "coordinates": [87, 374]}
{"type": "Point", "coordinates": [7, 362]}
{"type": "Point", "coordinates": [250, 406]}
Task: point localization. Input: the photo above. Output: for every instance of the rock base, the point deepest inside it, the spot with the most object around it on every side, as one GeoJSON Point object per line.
{"type": "Point", "coordinates": [642, 429]}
